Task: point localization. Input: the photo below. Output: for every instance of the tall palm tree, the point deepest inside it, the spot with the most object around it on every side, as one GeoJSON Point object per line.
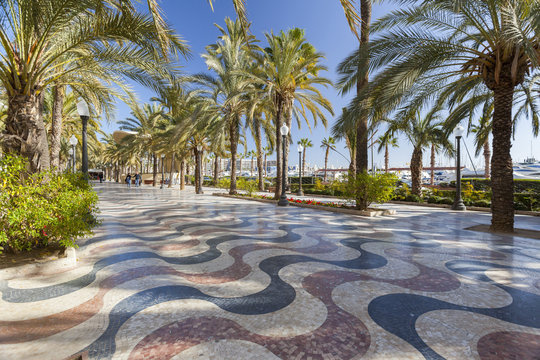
{"type": "Point", "coordinates": [145, 125]}
{"type": "Point", "coordinates": [251, 154]}
{"type": "Point", "coordinates": [226, 58]}
{"type": "Point", "coordinates": [421, 133]}
{"type": "Point", "coordinates": [306, 143]}
{"type": "Point", "coordinates": [386, 140]}
{"type": "Point", "coordinates": [330, 144]}
{"type": "Point", "coordinates": [288, 77]}
{"type": "Point", "coordinates": [491, 42]}
{"type": "Point", "coordinates": [46, 41]}
{"type": "Point", "coordinates": [268, 150]}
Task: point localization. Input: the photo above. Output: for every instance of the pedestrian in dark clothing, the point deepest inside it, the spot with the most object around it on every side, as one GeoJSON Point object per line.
{"type": "Point", "coordinates": [137, 180]}
{"type": "Point", "coordinates": [128, 180]}
{"type": "Point", "coordinates": [100, 177]}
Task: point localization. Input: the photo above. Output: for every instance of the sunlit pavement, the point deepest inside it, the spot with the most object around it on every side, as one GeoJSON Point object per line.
{"type": "Point", "coordinates": [171, 274]}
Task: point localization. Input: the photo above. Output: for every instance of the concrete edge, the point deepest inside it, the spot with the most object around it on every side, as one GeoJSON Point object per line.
{"type": "Point", "coordinates": [368, 213]}
{"type": "Point", "coordinates": [47, 267]}
{"type": "Point", "coordinates": [471, 208]}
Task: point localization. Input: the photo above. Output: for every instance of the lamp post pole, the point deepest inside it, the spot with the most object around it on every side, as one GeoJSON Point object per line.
{"type": "Point", "coordinates": [198, 178]}
{"type": "Point", "coordinates": [458, 202]}
{"type": "Point", "coordinates": [84, 113]}
{"type": "Point", "coordinates": [300, 149]}
{"type": "Point", "coordinates": [162, 174]}
{"type": "Point", "coordinates": [73, 142]}
{"type": "Point", "coordinates": [283, 198]}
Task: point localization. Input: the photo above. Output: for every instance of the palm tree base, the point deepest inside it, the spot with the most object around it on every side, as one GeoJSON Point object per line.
{"type": "Point", "coordinates": [300, 193]}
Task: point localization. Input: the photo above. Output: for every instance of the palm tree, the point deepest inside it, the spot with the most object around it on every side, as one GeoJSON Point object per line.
{"type": "Point", "coordinates": [226, 58]}
{"type": "Point", "coordinates": [251, 154]}
{"type": "Point", "coordinates": [421, 132]}
{"type": "Point", "coordinates": [145, 126]}
{"type": "Point", "coordinates": [288, 76]}
{"type": "Point", "coordinates": [388, 139]}
{"type": "Point", "coordinates": [306, 143]}
{"type": "Point", "coordinates": [328, 143]}
{"type": "Point", "coordinates": [492, 42]}
{"type": "Point", "coordinates": [268, 150]}
{"type": "Point", "coordinates": [47, 41]}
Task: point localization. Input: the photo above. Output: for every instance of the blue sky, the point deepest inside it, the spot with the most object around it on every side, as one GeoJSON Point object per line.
{"type": "Point", "coordinates": [326, 28]}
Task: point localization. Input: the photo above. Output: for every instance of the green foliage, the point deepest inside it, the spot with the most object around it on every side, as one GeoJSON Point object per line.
{"type": "Point", "coordinates": [378, 187]}
{"type": "Point", "coordinates": [44, 208]}
{"type": "Point", "coordinates": [224, 183]}
{"type": "Point", "coordinates": [413, 198]}
{"type": "Point", "coordinates": [319, 185]}
{"type": "Point", "coordinates": [249, 186]}
{"type": "Point", "coordinates": [520, 185]}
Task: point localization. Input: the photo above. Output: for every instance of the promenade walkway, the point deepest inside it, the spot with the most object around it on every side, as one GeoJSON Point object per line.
{"type": "Point", "coordinates": [174, 275]}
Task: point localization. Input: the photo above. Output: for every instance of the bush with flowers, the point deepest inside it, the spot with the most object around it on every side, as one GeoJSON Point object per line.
{"type": "Point", "coordinates": [43, 209]}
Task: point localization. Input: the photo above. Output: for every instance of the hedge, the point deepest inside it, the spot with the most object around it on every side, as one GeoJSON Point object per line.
{"type": "Point", "coordinates": [520, 185]}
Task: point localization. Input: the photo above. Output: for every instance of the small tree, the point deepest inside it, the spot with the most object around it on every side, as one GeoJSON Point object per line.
{"type": "Point", "coordinates": [378, 188]}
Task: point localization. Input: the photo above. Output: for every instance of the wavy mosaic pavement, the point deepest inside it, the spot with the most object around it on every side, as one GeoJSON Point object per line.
{"type": "Point", "coordinates": [173, 275]}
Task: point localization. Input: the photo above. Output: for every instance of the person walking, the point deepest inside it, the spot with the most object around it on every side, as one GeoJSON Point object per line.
{"type": "Point", "coordinates": [137, 180]}
{"type": "Point", "coordinates": [128, 180]}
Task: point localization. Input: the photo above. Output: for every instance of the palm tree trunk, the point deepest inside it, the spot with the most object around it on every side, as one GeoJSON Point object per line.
{"type": "Point", "coordinates": [487, 159]}
{"type": "Point", "coordinates": [154, 175]}
{"type": "Point", "coordinates": [362, 82]}
{"type": "Point", "coordinates": [416, 171]}
{"type": "Point", "coordinates": [279, 123]}
{"type": "Point", "coordinates": [502, 179]}
{"type": "Point", "coordinates": [265, 166]}
{"type": "Point", "coordinates": [197, 171]}
{"type": "Point", "coordinates": [288, 120]}
{"type": "Point", "coordinates": [216, 171]}
{"type": "Point", "coordinates": [304, 162]}
{"type": "Point", "coordinates": [56, 125]}
{"type": "Point", "coordinates": [326, 162]}
{"type": "Point", "coordinates": [251, 170]}
{"type": "Point", "coordinates": [25, 132]}
{"type": "Point", "coordinates": [432, 180]}
{"type": "Point", "coordinates": [233, 136]}
{"type": "Point", "coordinates": [182, 175]}
{"type": "Point", "coordinates": [386, 158]}
{"type": "Point", "coordinates": [171, 170]}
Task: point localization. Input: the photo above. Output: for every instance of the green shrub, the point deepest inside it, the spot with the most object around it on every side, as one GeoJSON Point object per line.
{"type": "Point", "coordinates": [447, 201]}
{"type": "Point", "coordinates": [378, 187]}
{"type": "Point", "coordinates": [224, 183]}
{"type": "Point", "coordinates": [434, 199]}
{"type": "Point", "coordinates": [41, 209]}
{"type": "Point", "coordinates": [482, 203]}
{"type": "Point", "coordinates": [412, 198]}
{"type": "Point", "coordinates": [249, 186]}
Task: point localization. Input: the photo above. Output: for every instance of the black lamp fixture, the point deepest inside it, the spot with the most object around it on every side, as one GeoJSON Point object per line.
{"type": "Point", "coordinates": [84, 113]}
{"type": "Point", "coordinates": [162, 174]}
{"type": "Point", "coordinates": [73, 142]}
{"type": "Point", "coordinates": [300, 149]}
{"type": "Point", "coordinates": [284, 130]}
{"type": "Point", "coordinates": [458, 202]}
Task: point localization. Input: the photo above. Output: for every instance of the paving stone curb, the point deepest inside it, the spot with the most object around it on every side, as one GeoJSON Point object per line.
{"type": "Point", "coordinates": [45, 267]}
{"type": "Point", "coordinates": [369, 213]}
{"type": "Point", "coordinates": [471, 208]}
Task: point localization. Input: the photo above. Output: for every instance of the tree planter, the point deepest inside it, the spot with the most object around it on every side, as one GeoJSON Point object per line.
{"type": "Point", "coordinates": [368, 213]}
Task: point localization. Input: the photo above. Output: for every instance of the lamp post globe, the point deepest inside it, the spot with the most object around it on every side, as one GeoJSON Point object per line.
{"type": "Point", "coordinates": [458, 201]}
{"type": "Point", "coordinates": [284, 130]}
{"type": "Point", "coordinates": [300, 149]}
{"type": "Point", "coordinates": [84, 114]}
{"type": "Point", "coordinates": [73, 142]}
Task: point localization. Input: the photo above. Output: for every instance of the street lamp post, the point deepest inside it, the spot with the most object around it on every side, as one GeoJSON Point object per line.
{"type": "Point", "coordinates": [84, 113]}
{"type": "Point", "coordinates": [300, 149]}
{"type": "Point", "coordinates": [283, 198]}
{"type": "Point", "coordinates": [198, 188]}
{"type": "Point", "coordinates": [458, 202]}
{"type": "Point", "coordinates": [73, 142]}
{"type": "Point", "coordinates": [162, 174]}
